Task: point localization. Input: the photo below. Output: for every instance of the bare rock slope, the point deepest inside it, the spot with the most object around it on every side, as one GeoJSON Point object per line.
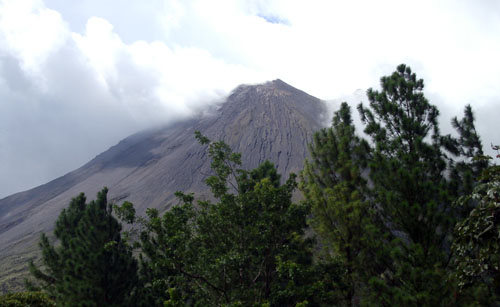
{"type": "Point", "coordinates": [271, 121]}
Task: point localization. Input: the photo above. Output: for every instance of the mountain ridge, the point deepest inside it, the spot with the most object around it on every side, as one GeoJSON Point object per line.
{"type": "Point", "coordinates": [270, 121]}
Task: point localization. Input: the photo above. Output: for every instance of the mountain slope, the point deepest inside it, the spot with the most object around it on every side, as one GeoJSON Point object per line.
{"type": "Point", "coordinates": [271, 121]}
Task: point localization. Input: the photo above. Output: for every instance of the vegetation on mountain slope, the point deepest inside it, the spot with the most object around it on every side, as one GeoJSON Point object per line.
{"type": "Point", "coordinates": [406, 217]}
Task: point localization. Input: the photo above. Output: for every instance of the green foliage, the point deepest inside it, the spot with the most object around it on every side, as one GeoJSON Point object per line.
{"type": "Point", "coordinates": [476, 246]}
{"type": "Point", "coordinates": [384, 207]}
{"type": "Point", "coordinates": [125, 212]}
{"type": "Point", "coordinates": [91, 265]}
{"type": "Point", "coordinates": [469, 146]}
{"type": "Point", "coordinates": [407, 169]}
{"type": "Point", "coordinates": [245, 249]}
{"type": "Point", "coordinates": [22, 299]}
{"type": "Point", "coordinates": [333, 185]}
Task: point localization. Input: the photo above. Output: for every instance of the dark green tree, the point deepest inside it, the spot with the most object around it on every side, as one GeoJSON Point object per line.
{"type": "Point", "coordinates": [386, 205]}
{"type": "Point", "coordinates": [468, 145]}
{"type": "Point", "coordinates": [90, 265]}
{"type": "Point", "coordinates": [333, 184]}
{"type": "Point", "coordinates": [408, 172]}
{"type": "Point", "coordinates": [246, 248]}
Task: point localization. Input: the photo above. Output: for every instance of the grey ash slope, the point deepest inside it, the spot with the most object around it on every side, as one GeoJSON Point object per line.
{"type": "Point", "coordinates": [271, 121]}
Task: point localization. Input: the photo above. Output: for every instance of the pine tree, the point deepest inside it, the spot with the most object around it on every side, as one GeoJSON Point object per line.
{"type": "Point", "coordinates": [408, 172]}
{"type": "Point", "coordinates": [389, 201]}
{"type": "Point", "coordinates": [469, 147]}
{"type": "Point", "coordinates": [91, 265]}
{"type": "Point", "coordinates": [334, 186]}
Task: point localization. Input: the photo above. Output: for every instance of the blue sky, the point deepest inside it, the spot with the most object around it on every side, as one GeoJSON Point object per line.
{"type": "Point", "coordinates": [78, 76]}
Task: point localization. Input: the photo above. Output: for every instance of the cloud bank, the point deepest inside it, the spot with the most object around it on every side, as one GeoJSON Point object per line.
{"type": "Point", "coordinates": [75, 78]}
{"type": "Point", "coordinates": [67, 96]}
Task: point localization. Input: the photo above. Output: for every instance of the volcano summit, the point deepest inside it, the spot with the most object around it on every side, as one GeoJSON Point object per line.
{"type": "Point", "coordinates": [272, 121]}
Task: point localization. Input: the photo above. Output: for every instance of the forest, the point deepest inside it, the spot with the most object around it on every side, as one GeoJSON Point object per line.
{"type": "Point", "coordinates": [401, 215]}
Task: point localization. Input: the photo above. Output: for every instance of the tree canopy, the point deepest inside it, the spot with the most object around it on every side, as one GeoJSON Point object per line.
{"type": "Point", "coordinates": [389, 200]}
{"type": "Point", "coordinates": [401, 216]}
{"type": "Point", "coordinates": [90, 265]}
{"type": "Point", "coordinates": [246, 248]}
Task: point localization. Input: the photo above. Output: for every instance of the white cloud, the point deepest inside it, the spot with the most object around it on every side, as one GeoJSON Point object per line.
{"type": "Point", "coordinates": [77, 77]}
{"type": "Point", "coordinates": [76, 94]}
{"type": "Point", "coordinates": [30, 31]}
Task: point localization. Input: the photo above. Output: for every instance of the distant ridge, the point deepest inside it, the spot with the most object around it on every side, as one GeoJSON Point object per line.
{"type": "Point", "coordinates": [270, 121]}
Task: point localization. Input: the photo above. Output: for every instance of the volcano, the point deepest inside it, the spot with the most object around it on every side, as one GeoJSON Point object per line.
{"type": "Point", "coordinates": [271, 121]}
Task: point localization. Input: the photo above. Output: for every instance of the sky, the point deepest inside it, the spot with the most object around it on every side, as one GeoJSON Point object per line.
{"type": "Point", "coordinates": [76, 77]}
